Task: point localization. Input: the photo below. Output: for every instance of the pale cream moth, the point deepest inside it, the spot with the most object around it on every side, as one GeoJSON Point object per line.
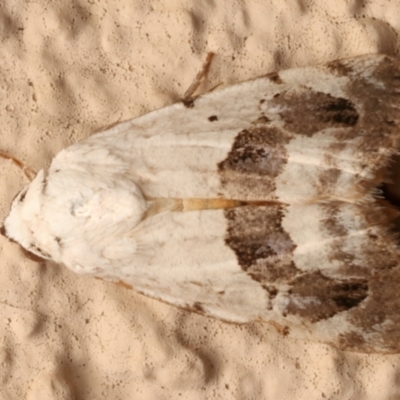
{"type": "Point", "coordinates": [259, 201]}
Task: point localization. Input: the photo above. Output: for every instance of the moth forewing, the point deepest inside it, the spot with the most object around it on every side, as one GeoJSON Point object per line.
{"type": "Point", "coordinates": [256, 201]}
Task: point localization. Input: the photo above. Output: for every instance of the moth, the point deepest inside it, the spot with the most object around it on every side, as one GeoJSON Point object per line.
{"type": "Point", "coordinates": [270, 200]}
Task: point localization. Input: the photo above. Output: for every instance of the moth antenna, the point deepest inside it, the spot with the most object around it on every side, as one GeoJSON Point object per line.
{"type": "Point", "coordinates": [188, 97]}
{"type": "Point", "coordinates": [29, 172]}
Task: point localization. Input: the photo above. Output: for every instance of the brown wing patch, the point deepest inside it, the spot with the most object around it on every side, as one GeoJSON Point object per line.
{"type": "Point", "coordinates": [257, 156]}
{"type": "Point", "coordinates": [307, 112]}
{"type": "Point", "coordinates": [263, 249]}
{"type": "Point", "coordinates": [314, 296]}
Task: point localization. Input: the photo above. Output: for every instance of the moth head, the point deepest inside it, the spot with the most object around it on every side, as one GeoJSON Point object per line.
{"type": "Point", "coordinates": [21, 224]}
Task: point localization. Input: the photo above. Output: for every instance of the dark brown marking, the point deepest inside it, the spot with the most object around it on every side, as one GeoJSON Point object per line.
{"type": "Point", "coordinates": [272, 291]}
{"type": "Point", "coordinates": [351, 338]}
{"type": "Point", "coordinates": [3, 231]}
{"type": "Point", "coordinates": [196, 307]}
{"type": "Point", "coordinates": [262, 120]}
{"type": "Point", "coordinates": [328, 178]}
{"type": "Point", "coordinates": [274, 77]}
{"type": "Point", "coordinates": [258, 151]}
{"type": "Point", "coordinates": [189, 103]}
{"type": "Point", "coordinates": [315, 297]}
{"type": "Point", "coordinates": [307, 112]}
{"type": "Point", "coordinates": [213, 118]}
{"type": "Point", "coordinates": [257, 156]}
{"type": "Point", "coordinates": [264, 250]}
{"type": "Point", "coordinates": [23, 195]}
{"type": "Point", "coordinates": [339, 68]}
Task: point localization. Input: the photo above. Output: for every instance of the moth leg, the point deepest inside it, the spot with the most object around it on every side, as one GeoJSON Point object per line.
{"type": "Point", "coordinates": [189, 97]}
{"type": "Point", "coordinates": [29, 173]}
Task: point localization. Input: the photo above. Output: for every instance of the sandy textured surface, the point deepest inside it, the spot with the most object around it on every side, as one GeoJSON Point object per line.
{"type": "Point", "coordinates": [70, 68]}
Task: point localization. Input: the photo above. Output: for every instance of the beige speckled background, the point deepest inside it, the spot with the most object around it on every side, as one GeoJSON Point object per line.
{"type": "Point", "coordinates": [70, 68]}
